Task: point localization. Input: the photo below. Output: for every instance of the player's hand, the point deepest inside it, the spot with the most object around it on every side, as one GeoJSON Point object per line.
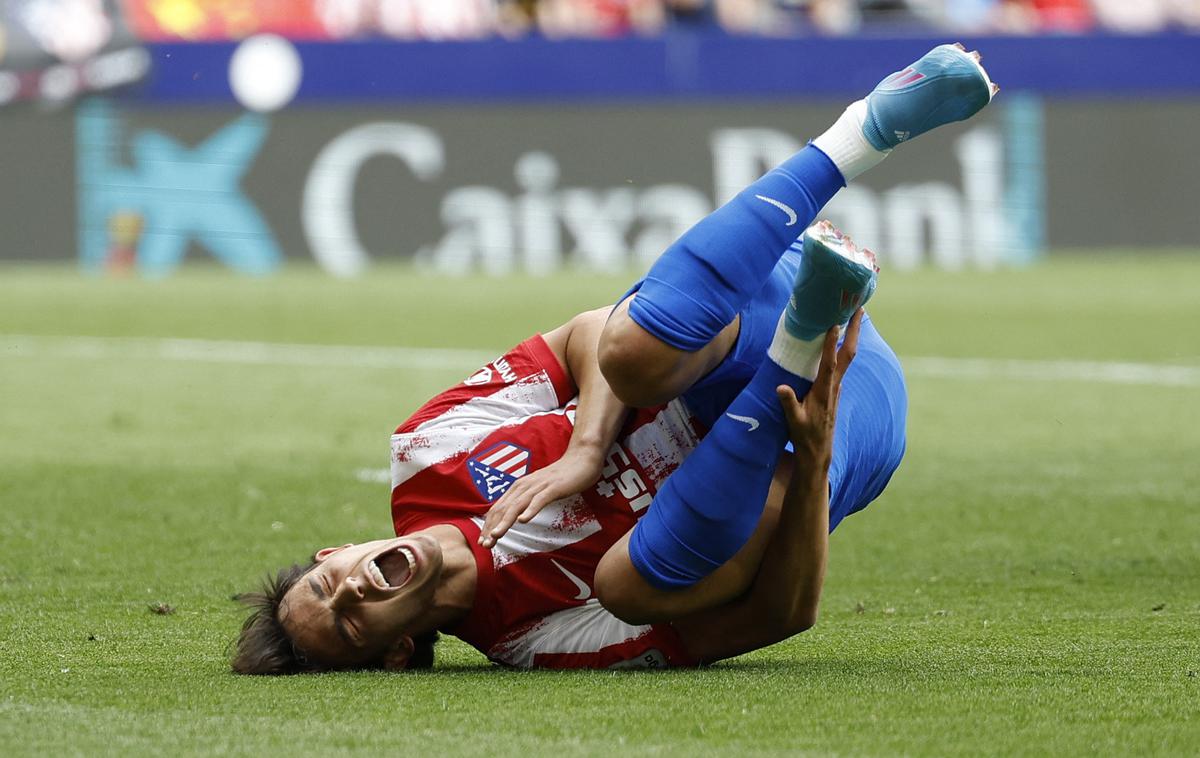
{"type": "Point", "coordinates": [811, 420]}
{"type": "Point", "coordinates": [569, 475]}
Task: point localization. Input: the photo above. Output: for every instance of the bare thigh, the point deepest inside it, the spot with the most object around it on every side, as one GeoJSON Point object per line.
{"type": "Point", "coordinates": [642, 370]}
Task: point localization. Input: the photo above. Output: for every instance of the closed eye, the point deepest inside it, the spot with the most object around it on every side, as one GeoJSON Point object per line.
{"type": "Point", "coordinates": [345, 630]}
{"type": "Point", "coordinates": [323, 589]}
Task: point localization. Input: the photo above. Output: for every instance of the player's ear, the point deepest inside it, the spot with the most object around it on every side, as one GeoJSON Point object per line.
{"type": "Point", "coordinates": [396, 657]}
{"type": "Point", "coordinates": [325, 552]}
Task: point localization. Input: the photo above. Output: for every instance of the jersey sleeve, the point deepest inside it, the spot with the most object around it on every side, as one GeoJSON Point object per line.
{"type": "Point", "coordinates": [527, 379]}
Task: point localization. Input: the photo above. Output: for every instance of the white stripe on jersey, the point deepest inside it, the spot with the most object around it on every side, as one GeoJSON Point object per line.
{"type": "Point", "coordinates": [661, 445]}
{"type": "Point", "coordinates": [586, 628]}
{"type": "Point", "coordinates": [491, 459]}
{"type": "Point", "coordinates": [465, 425]}
{"type": "Point", "coordinates": [515, 460]}
{"type": "Point", "coordinates": [561, 523]}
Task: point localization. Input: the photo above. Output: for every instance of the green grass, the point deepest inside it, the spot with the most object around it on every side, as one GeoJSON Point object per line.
{"type": "Point", "coordinates": [1029, 584]}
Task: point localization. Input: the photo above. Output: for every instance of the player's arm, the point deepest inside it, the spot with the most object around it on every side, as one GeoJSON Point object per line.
{"type": "Point", "coordinates": [600, 414]}
{"type": "Point", "coordinates": [786, 592]}
{"type": "Point", "coordinates": [598, 419]}
{"type": "Point", "coordinates": [784, 597]}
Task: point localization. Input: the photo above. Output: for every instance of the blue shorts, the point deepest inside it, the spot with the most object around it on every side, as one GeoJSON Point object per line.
{"type": "Point", "coordinates": [869, 439]}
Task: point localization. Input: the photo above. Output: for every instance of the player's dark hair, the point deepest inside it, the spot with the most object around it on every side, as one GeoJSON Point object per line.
{"type": "Point", "coordinates": [264, 648]}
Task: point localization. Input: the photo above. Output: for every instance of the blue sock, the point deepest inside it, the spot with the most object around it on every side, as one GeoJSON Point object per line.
{"type": "Point", "coordinates": [707, 276]}
{"type": "Point", "coordinates": [710, 506]}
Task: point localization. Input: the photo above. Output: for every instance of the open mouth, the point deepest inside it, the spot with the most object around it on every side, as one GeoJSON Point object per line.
{"type": "Point", "coordinates": [392, 569]}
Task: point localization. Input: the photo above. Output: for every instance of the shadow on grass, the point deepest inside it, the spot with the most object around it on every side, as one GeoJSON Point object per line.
{"type": "Point", "coordinates": [815, 668]}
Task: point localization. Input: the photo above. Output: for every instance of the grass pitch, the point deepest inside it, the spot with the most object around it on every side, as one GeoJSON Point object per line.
{"type": "Point", "coordinates": [1029, 584]}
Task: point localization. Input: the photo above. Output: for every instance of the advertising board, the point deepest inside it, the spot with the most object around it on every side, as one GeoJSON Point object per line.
{"type": "Point", "coordinates": [506, 189]}
{"type": "Point", "coordinates": [531, 187]}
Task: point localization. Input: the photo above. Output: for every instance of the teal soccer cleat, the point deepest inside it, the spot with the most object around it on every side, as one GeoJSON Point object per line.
{"type": "Point", "coordinates": [836, 277]}
{"type": "Point", "coordinates": [948, 84]}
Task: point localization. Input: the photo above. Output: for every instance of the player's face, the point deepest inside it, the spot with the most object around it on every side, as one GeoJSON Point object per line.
{"type": "Point", "coordinates": [361, 601]}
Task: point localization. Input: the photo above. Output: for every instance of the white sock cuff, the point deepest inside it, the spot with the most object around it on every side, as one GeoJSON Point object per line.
{"type": "Point", "coordinates": [847, 146]}
{"type": "Point", "coordinates": [794, 355]}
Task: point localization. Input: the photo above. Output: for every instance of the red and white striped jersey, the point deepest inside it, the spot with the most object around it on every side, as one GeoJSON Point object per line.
{"type": "Point", "coordinates": [534, 602]}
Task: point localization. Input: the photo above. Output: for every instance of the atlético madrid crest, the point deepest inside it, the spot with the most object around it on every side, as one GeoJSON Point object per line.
{"type": "Point", "coordinates": [495, 469]}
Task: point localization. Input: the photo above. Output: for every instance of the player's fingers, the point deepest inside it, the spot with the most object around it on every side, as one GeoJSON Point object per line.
{"type": "Point", "coordinates": [826, 371]}
{"type": "Point", "coordinates": [489, 520]}
{"type": "Point", "coordinates": [511, 494]}
{"type": "Point", "coordinates": [541, 493]}
{"type": "Point", "coordinates": [507, 518]}
{"type": "Point", "coordinates": [489, 523]}
{"type": "Point", "coordinates": [849, 348]}
{"type": "Point", "coordinates": [498, 506]}
{"type": "Point", "coordinates": [793, 409]}
{"type": "Point", "coordinates": [509, 501]}
{"type": "Point", "coordinates": [787, 399]}
{"type": "Point", "coordinates": [539, 501]}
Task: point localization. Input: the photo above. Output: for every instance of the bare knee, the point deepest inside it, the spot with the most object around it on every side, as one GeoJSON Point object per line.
{"type": "Point", "coordinates": [621, 590]}
{"type": "Point", "coordinates": [641, 369]}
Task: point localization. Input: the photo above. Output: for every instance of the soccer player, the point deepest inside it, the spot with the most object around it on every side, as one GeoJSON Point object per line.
{"type": "Point", "coordinates": [546, 522]}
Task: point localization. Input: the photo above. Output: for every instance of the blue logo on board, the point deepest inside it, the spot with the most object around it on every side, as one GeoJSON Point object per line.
{"type": "Point", "coordinates": [144, 210]}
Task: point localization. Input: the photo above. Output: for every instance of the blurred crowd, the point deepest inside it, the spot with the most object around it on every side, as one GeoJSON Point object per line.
{"type": "Point", "coordinates": [459, 19]}
{"type": "Point", "coordinates": [77, 26]}
{"type": "Point", "coordinates": [54, 50]}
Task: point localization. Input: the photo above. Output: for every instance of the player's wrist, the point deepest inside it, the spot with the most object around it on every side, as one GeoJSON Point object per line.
{"type": "Point", "coordinates": [588, 452]}
{"type": "Point", "coordinates": [810, 465]}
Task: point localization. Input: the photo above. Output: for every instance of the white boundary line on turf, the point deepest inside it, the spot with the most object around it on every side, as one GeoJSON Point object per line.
{"type": "Point", "coordinates": [1105, 372]}
{"type": "Point", "coordinates": [453, 359]}
{"type": "Point", "coordinates": [374, 475]}
{"type": "Point", "coordinates": [252, 353]}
